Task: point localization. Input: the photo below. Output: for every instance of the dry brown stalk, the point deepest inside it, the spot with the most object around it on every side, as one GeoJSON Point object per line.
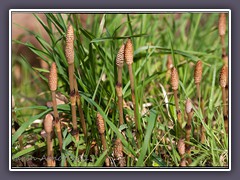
{"type": "Point", "coordinates": [69, 52]}
{"type": "Point", "coordinates": [79, 104]}
{"type": "Point", "coordinates": [223, 83]}
{"type": "Point", "coordinates": [101, 130]}
{"type": "Point", "coordinates": [128, 54]}
{"type": "Point", "coordinates": [48, 126]}
{"type": "Point", "coordinates": [119, 63]}
{"type": "Point", "coordinates": [118, 153]}
{"type": "Point", "coordinates": [181, 150]}
{"type": "Point", "coordinates": [189, 111]}
{"type": "Point", "coordinates": [52, 80]}
{"type": "Point", "coordinates": [174, 84]}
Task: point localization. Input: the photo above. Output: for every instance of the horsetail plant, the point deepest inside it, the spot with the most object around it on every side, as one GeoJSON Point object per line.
{"type": "Point", "coordinates": [118, 153]}
{"type": "Point", "coordinates": [197, 80]}
{"type": "Point", "coordinates": [174, 84]}
{"type": "Point", "coordinates": [79, 104]}
{"type": "Point", "coordinates": [189, 111]}
{"type": "Point", "coordinates": [222, 31]}
{"type": "Point", "coordinates": [101, 130]}
{"type": "Point", "coordinates": [48, 124]}
{"type": "Point", "coordinates": [226, 63]}
{"type": "Point", "coordinates": [181, 150]}
{"type": "Point", "coordinates": [119, 63]}
{"type": "Point", "coordinates": [52, 80]}
{"type": "Point", "coordinates": [169, 66]}
{"type": "Point", "coordinates": [198, 77]}
{"type": "Point", "coordinates": [69, 52]}
{"type": "Point", "coordinates": [223, 83]}
{"type": "Point", "coordinates": [222, 26]}
{"type": "Point", "coordinates": [128, 54]}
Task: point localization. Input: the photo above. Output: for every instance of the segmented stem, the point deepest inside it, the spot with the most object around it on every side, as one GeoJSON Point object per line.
{"type": "Point", "coordinates": [57, 121]}
{"type": "Point", "coordinates": [224, 52]}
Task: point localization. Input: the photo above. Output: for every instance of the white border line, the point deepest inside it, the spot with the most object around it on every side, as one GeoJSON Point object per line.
{"type": "Point", "coordinates": [117, 11]}
{"type": "Point", "coordinates": [119, 169]}
{"type": "Point", "coordinates": [120, 10]}
{"type": "Point", "coordinates": [10, 88]}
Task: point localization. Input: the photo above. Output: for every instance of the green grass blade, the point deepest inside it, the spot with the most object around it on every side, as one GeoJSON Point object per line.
{"type": "Point", "coordinates": [147, 138]}
{"type": "Point", "coordinates": [37, 146]}
{"type": "Point", "coordinates": [26, 124]}
{"type": "Point", "coordinates": [100, 160]}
